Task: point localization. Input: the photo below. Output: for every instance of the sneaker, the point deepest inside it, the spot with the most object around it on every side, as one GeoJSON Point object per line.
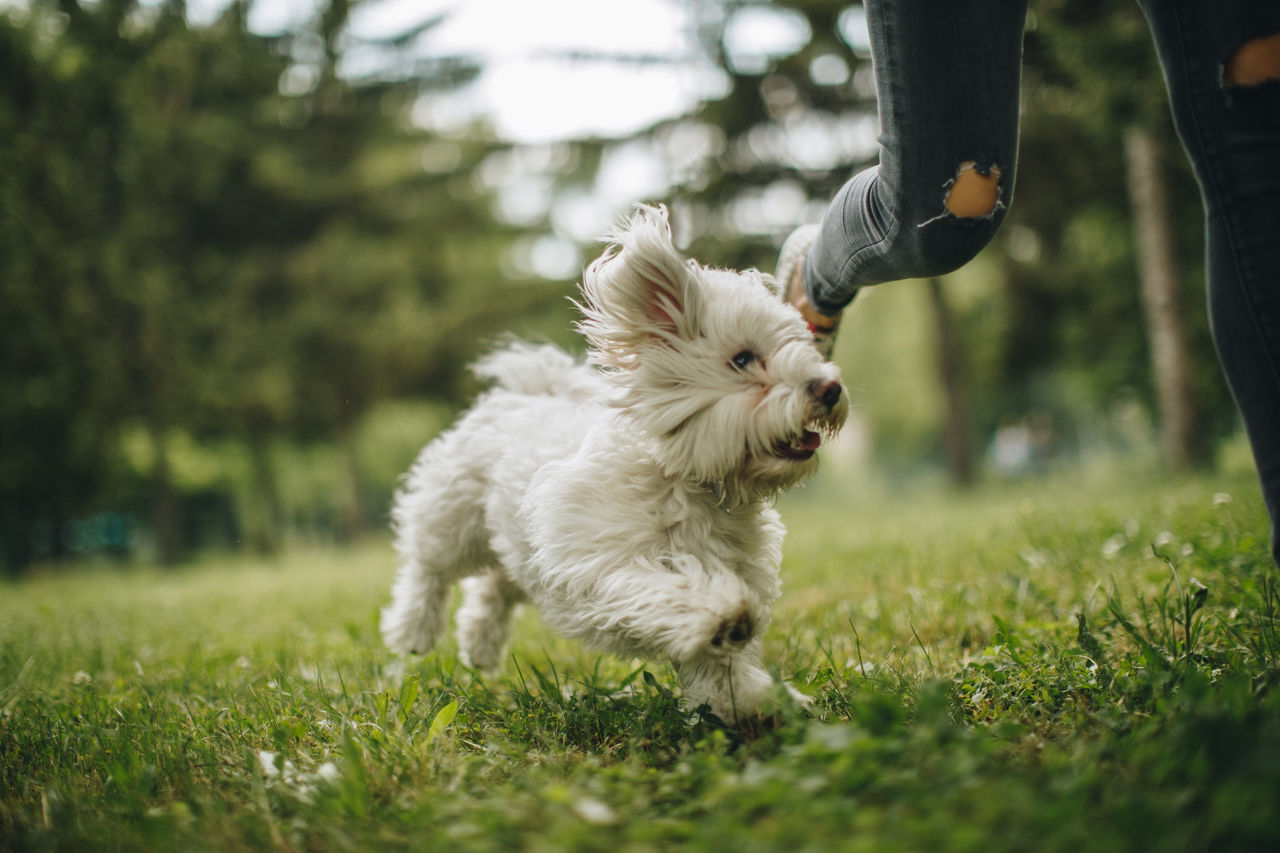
{"type": "Point", "coordinates": [790, 288]}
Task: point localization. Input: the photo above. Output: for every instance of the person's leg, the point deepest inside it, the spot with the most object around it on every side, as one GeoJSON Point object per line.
{"type": "Point", "coordinates": [1222, 65]}
{"type": "Point", "coordinates": [948, 77]}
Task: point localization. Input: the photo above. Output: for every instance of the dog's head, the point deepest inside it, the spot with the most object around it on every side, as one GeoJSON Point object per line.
{"type": "Point", "coordinates": [721, 374]}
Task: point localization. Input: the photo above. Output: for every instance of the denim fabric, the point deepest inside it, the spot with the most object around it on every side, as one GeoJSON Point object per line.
{"type": "Point", "coordinates": [948, 77]}
{"type": "Point", "coordinates": [948, 88]}
{"type": "Point", "coordinates": [1232, 136]}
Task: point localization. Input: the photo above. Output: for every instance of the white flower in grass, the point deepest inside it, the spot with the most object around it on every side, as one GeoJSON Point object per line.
{"type": "Point", "coordinates": [1034, 557]}
{"type": "Point", "coordinates": [865, 668]}
{"type": "Point", "coordinates": [594, 811]}
{"type": "Point", "coordinates": [1112, 546]}
{"type": "Point", "coordinates": [272, 771]}
{"type": "Point", "coordinates": [286, 775]}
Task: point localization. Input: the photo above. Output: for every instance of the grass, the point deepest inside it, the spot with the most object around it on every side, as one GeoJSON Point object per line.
{"type": "Point", "coordinates": [1075, 663]}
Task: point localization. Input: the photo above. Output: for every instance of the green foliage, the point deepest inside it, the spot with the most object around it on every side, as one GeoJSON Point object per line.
{"type": "Point", "coordinates": [1017, 671]}
{"type": "Point", "coordinates": [208, 236]}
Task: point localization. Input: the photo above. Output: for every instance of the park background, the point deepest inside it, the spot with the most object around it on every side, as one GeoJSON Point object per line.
{"type": "Point", "coordinates": [247, 250]}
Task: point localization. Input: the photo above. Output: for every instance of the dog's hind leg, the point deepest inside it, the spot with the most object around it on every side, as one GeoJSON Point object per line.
{"type": "Point", "coordinates": [417, 615]}
{"type": "Point", "coordinates": [440, 537]}
{"type": "Point", "coordinates": [484, 619]}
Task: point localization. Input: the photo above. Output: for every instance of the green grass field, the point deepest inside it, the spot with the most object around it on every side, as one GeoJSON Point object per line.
{"type": "Point", "coordinates": [1013, 669]}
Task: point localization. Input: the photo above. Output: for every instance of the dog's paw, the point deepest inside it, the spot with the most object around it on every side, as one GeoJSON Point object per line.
{"type": "Point", "coordinates": [405, 636]}
{"type": "Point", "coordinates": [733, 632]}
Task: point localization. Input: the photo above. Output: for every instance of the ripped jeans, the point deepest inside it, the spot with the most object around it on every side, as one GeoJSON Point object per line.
{"type": "Point", "coordinates": [948, 87]}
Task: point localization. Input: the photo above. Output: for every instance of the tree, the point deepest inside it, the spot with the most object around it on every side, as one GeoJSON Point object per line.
{"type": "Point", "coordinates": [1180, 432]}
{"type": "Point", "coordinates": [62, 373]}
{"type": "Point", "coordinates": [1097, 121]}
{"type": "Point", "coordinates": [950, 356]}
{"type": "Point", "coordinates": [198, 244]}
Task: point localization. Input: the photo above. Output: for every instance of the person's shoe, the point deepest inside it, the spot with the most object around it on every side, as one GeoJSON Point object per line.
{"type": "Point", "coordinates": [790, 288]}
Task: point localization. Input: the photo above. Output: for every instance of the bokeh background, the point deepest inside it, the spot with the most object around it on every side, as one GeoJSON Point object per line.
{"type": "Point", "coordinates": [247, 250]}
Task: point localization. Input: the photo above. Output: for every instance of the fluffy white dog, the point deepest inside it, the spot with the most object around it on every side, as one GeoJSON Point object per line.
{"type": "Point", "coordinates": [631, 501]}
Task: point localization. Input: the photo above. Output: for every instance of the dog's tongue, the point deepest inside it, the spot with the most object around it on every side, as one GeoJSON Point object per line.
{"type": "Point", "coordinates": [810, 440]}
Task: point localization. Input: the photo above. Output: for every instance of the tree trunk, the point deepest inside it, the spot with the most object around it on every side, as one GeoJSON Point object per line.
{"type": "Point", "coordinates": [352, 506]}
{"type": "Point", "coordinates": [262, 526]}
{"type": "Point", "coordinates": [1180, 434]}
{"type": "Point", "coordinates": [164, 511]}
{"type": "Point", "coordinates": [950, 355]}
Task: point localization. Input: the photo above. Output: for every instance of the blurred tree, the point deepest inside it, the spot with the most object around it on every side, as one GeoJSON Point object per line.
{"type": "Point", "coordinates": [207, 232]}
{"type": "Point", "coordinates": [951, 359]}
{"type": "Point", "coordinates": [796, 121]}
{"type": "Point", "coordinates": [186, 129]}
{"type": "Point", "coordinates": [63, 376]}
{"type": "Point", "coordinates": [151, 128]}
{"type": "Point", "coordinates": [1181, 436]}
{"type": "Point", "coordinates": [402, 283]}
{"type": "Point", "coordinates": [1103, 206]}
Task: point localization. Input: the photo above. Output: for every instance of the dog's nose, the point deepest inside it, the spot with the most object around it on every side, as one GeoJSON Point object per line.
{"type": "Point", "coordinates": [828, 393]}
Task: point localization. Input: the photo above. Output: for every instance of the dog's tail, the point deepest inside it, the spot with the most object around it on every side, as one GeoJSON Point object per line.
{"type": "Point", "coordinates": [538, 369]}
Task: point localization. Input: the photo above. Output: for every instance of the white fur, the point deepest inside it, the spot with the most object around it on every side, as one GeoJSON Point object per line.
{"type": "Point", "coordinates": [630, 501]}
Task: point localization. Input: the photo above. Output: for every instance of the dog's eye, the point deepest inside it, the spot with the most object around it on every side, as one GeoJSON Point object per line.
{"type": "Point", "coordinates": [743, 360]}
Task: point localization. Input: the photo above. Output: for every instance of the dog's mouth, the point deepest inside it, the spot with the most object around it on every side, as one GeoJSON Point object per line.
{"type": "Point", "coordinates": [800, 447]}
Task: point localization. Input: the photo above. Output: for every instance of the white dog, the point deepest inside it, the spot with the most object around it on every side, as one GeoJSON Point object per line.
{"type": "Point", "coordinates": [631, 503]}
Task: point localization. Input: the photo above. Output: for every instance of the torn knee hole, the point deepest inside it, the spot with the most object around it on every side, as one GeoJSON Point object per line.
{"type": "Point", "coordinates": [1254, 63]}
{"type": "Point", "coordinates": [974, 194]}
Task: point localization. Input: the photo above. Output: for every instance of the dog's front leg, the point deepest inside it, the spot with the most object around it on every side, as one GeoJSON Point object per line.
{"type": "Point", "coordinates": [731, 685]}
{"type": "Point", "coordinates": [675, 608]}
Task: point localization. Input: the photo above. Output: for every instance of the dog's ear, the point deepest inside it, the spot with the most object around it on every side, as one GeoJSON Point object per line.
{"type": "Point", "coordinates": [639, 291]}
